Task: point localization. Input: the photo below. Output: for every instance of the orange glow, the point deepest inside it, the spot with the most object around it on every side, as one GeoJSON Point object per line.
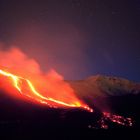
{"type": "Point", "coordinates": [21, 83]}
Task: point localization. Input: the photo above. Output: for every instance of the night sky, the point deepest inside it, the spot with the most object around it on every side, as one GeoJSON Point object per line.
{"type": "Point", "coordinates": [78, 38]}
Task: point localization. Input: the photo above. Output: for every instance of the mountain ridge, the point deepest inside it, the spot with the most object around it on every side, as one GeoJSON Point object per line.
{"type": "Point", "coordinates": [101, 86]}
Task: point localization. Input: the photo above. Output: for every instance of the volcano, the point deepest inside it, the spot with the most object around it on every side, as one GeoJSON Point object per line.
{"type": "Point", "coordinates": [102, 93]}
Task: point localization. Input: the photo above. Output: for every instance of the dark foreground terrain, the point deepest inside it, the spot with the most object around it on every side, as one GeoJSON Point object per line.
{"type": "Point", "coordinates": [25, 120]}
{"type": "Point", "coordinates": [20, 119]}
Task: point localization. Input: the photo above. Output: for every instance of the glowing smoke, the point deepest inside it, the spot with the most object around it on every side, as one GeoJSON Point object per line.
{"type": "Point", "coordinates": [50, 85]}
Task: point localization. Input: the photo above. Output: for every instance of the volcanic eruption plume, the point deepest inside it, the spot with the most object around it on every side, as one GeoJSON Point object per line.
{"type": "Point", "coordinates": [29, 81]}
{"type": "Point", "coordinates": [21, 77]}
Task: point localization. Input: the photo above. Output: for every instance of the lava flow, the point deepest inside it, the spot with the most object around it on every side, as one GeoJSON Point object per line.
{"type": "Point", "coordinates": [22, 77]}
{"type": "Point", "coordinates": [20, 82]}
{"type": "Point", "coordinates": [120, 120]}
{"type": "Point", "coordinates": [108, 119]}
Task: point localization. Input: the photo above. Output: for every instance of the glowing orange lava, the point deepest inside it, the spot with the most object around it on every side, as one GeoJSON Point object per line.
{"type": "Point", "coordinates": [20, 82]}
{"type": "Point", "coordinates": [120, 120]}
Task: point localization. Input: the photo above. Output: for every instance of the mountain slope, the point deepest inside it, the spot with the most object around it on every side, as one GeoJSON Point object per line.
{"type": "Point", "coordinates": [104, 86]}
{"type": "Point", "coordinates": [108, 93]}
{"type": "Point", "coordinates": [115, 95]}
